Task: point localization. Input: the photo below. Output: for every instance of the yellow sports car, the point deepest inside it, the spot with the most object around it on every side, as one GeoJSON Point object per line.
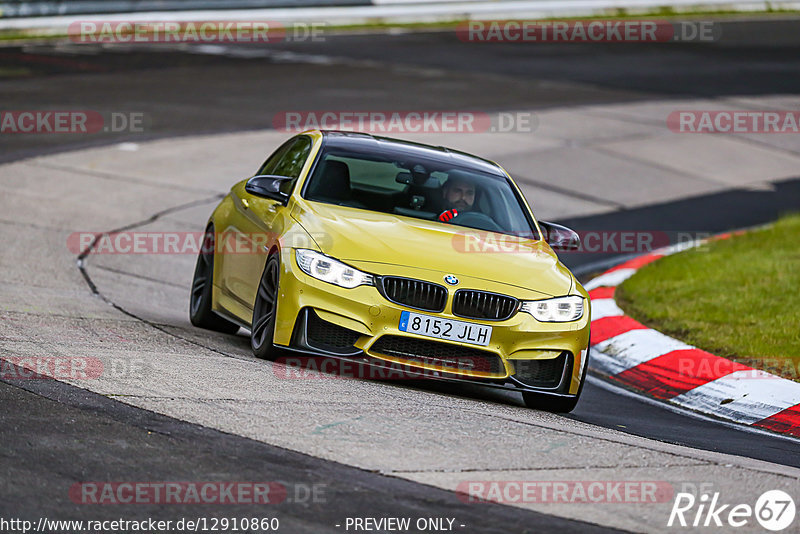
{"type": "Point", "coordinates": [357, 247]}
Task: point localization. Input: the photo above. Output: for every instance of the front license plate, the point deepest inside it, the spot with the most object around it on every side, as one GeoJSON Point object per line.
{"type": "Point", "coordinates": [425, 325]}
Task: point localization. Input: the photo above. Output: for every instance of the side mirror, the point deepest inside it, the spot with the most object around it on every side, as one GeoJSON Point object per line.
{"type": "Point", "coordinates": [559, 237]}
{"type": "Point", "coordinates": [268, 186]}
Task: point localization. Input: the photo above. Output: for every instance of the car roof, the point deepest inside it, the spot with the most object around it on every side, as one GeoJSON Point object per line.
{"type": "Point", "coordinates": [364, 142]}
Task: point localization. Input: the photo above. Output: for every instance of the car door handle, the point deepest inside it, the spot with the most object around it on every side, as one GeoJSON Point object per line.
{"type": "Point", "coordinates": [245, 203]}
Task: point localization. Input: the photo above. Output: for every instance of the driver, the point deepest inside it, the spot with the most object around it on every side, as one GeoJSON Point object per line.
{"type": "Point", "coordinates": [458, 195]}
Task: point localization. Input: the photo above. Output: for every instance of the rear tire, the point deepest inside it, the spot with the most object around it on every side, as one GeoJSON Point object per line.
{"type": "Point", "coordinates": [265, 307]}
{"type": "Point", "coordinates": [200, 312]}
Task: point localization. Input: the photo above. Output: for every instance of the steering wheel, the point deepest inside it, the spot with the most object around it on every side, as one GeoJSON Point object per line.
{"type": "Point", "coordinates": [476, 219]}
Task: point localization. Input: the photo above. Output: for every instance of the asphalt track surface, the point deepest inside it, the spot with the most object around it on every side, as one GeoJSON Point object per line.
{"type": "Point", "coordinates": [81, 435]}
{"type": "Point", "coordinates": [189, 93]}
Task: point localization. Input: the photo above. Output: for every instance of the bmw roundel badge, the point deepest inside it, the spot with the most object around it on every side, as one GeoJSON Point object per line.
{"type": "Point", "coordinates": [450, 279]}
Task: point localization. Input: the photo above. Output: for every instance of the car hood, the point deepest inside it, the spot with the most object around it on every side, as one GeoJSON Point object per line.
{"type": "Point", "coordinates": [361, 236]}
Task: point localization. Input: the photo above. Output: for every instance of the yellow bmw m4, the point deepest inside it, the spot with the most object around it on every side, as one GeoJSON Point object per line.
{"type": "Point", "coordinates": [370, 249]}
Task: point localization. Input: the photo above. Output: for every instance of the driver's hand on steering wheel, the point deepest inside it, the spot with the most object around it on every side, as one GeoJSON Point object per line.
{"type": "Point", "coordinates": [447, 215]}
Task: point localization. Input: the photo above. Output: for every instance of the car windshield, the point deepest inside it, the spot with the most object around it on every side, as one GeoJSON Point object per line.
{"type": "Point", "coordinates": [423, 188]}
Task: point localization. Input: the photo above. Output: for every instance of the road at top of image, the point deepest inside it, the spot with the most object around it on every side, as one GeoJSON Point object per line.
{"type": "Point", "coordinates": [187, 92]}
{"type": "Point", "coordinates": [192, 89]}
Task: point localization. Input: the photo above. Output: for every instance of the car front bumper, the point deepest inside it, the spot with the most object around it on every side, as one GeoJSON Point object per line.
{"type": "Point", "coordinates": [315, 317]}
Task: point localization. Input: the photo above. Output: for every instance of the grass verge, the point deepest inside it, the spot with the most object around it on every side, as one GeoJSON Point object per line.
{"type": "Point", "coordinates": [736, 298]}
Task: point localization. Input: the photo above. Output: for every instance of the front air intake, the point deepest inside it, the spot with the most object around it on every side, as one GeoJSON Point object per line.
{"type": "Point", "coordinates": [456, 357]}
{"type": "Point", "coordinates": [541, 373]}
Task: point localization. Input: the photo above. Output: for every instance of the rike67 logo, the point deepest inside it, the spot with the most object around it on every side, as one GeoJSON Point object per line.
{"type": "Point", "coordinates": [774, 510]}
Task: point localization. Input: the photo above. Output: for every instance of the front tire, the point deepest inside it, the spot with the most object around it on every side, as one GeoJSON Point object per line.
{"type": "Point", "coordinates": [550, 404]}
{"type": "Point", "coordinates": [200, 312]}
{"type": "Point", "coordinates": [265, 307]}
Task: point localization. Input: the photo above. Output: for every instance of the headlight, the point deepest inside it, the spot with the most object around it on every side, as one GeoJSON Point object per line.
{"type": "Point", "coordinates": [557, 310]}
{"type": "Point", "coordinates": [327, 269]}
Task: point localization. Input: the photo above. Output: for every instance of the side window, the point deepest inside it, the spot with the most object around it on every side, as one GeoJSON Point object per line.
{"type": "Point", "coordinates": [292, 161]}
{"type": "Point", "coordinates": [272, 161]}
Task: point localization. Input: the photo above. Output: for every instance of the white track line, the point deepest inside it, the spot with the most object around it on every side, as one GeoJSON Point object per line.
{"type": "Point", "coordinates": [602, 308]}
{"type": "Point", "coordinates": [612, 279]}
{"type": "Point", "coordinates": [755, 395]}
{"type": "Point", "coordinates": [617, 390]}
{"type": "Point", "coordinates": [632, 348]}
